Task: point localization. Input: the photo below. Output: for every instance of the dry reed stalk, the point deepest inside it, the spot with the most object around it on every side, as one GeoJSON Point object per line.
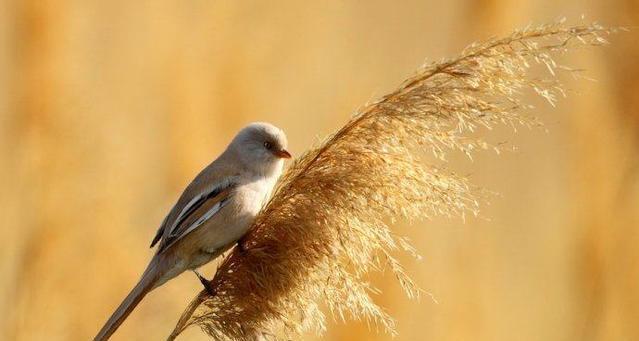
{"type": "Point", "coordinates": [324, 228]}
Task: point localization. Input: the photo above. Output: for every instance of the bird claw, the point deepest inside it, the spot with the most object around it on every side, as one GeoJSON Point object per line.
{"type": "Point", "coordinates": [241, 246]}
{"type": "Point", "coordinates": [206, 283]}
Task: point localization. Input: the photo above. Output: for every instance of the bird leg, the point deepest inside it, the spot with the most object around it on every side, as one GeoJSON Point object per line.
{"type": "Point", "coordinates": [206, 283]}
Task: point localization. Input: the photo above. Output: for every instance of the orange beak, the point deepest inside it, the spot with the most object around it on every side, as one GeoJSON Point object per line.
{"type": "Point", "coordinates": [282, 154]}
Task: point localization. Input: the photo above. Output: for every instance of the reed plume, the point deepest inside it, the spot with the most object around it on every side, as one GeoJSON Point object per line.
{"type": "Point", "coordinates": [326, 227]}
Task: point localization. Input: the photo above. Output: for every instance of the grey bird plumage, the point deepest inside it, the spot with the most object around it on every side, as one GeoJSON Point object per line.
{"type": "Point", "coordinates": [213, 213]}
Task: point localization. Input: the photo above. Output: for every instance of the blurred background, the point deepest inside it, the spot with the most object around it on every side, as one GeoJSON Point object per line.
{"type": "Point", "coordinates": [109, 108]}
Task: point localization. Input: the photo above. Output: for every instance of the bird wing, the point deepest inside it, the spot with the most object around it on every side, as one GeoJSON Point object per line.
{"type": "Point", "coordinates": [160, 233]}
{"type": "Point", "coordinates": [199, 210]}
{"type": "Point", "coordinates": [201, 200]}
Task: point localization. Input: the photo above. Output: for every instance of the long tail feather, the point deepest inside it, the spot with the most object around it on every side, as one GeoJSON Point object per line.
{"type": "Point", "coordinates": [145, 285]}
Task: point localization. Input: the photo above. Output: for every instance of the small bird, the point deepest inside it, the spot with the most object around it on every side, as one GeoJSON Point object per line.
{"type": "Point", "coordinates": [213, 213]}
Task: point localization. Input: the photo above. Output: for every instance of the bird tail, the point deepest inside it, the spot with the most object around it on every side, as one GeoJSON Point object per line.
{"type": "Point", "coordinates": [147, 283]}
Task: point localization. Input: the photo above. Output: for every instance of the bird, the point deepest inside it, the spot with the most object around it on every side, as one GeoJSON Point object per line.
{"type": "Point", "coordinates": [212, 214]}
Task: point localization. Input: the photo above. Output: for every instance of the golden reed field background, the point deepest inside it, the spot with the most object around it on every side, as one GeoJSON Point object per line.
{"type": "Point", "coordinates": [108, 109]}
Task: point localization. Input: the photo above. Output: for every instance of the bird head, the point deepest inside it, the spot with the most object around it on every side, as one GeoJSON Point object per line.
{"type": "Point", "coordinates": [261, 147]}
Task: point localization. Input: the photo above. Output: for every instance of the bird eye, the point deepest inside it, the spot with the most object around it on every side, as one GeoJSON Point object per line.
{"type": "Point", "coordinates": [268, 145]}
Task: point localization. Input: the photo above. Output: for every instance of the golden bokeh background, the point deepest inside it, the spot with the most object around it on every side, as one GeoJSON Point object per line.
{"type": "Point", "coordinates": [109, 108]}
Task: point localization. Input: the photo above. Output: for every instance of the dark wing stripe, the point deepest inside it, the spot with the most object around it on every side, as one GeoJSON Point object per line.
{"type": "Point", "coordinates": [201, 200]}
{"type": "Point", "coordinates": [209, 213]}
{"type": "Point", "coordinates": [158, 235]}
{"type": "Point", "coordinates": [197, 212]}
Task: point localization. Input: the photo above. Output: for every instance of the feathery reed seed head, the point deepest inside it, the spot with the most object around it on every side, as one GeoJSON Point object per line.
{"type": "Point", "coordinates": [324, 229]}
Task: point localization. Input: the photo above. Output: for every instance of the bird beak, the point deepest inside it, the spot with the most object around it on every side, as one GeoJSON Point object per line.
{"type": "Point", "coordinates": [282, 154]}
